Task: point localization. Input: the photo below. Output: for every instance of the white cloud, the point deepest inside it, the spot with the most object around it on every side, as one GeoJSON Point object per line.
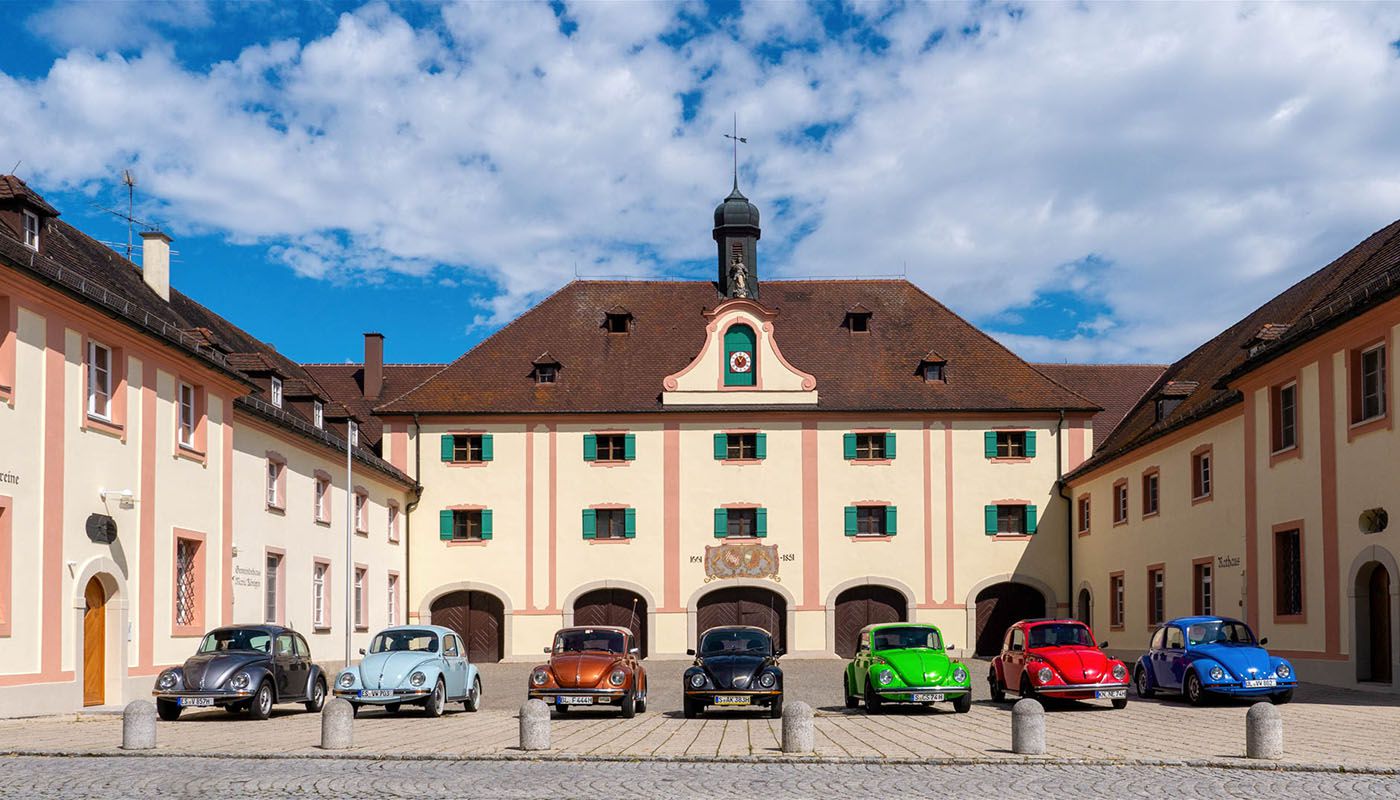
{"type": "Point", "coordinates": [116, 25]}
{"type": "Point", "coordinates": [1208, 155]}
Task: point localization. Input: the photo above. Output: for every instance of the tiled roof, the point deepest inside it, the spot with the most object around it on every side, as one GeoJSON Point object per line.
{"type": "Point", "coordinates": [345, 384]}
{"type": "Point", "coordinates": [602, 372]}
{"type": "Point", "coordinates": [1115, 387]}
{"type": "Point", "coordinates": [11, 187]}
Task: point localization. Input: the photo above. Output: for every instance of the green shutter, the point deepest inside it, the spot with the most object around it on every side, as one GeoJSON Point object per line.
{"type": "Point", "coordinates": [448, 441]}
{"type": "Point", "coordinates": [850, 520]}
{"type": "Point", "coordinates": [629, 447]}
{"type": "Point", "coordinates": [1030, 444]}
{"type": "Point", "coordinates": [721, 446]}
{"type": "Point", "coordinates": [721, 523]}
{"type": "Point", "coordinates": [848, 443]}
{"type": "Point", "coordinates": [590, 524]}
{"type": "Point", "coordinates": [991, 520]}
{"type": "Point", "coordinates": [891, 521]}
{"type": "Point", "coordinates": [488, 448]}
{"type": "Point", "coordinates": [445, 525]}
{"type": "Point", "coordinates": [1030, 519]}
{"type": "Point", "coordinates": [740, 338]}
{"type": "Point", "coordinates": [989, 444]}
{"type": "Point", "coordinates": [629, 523]}
{"type": "Point", "coordinates": [889, 444]}
{"type": "Point", "coordinates": [760, 448]}
{"type": "Point", "coordinates": [486, 524]}
{"type": "Point", "coordinates": [590, 447]}
{"type": "Point", "coordinates": [761, 522]}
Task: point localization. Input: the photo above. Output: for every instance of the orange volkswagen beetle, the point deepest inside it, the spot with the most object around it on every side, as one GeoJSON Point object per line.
{"type": "Point", "coordinates": [592, 666]}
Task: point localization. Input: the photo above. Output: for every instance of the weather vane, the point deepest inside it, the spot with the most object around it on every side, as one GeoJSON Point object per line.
{"type": "Point", "coordinates": [737, 139]}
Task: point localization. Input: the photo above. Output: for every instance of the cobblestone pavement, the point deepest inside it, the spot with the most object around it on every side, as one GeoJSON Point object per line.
{"type": "Point", "coordinates": [1323, 727]}
{"type": "Point", "coordinates": [175, 777]}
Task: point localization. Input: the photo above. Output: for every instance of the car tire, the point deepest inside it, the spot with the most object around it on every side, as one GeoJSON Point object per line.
{"type": "Point", "coordinates": [1194, 692]}
{"type": "Point", "coordinates": [629, 705]}
{"type": "Point", "coordinates": [1027, 689]}
{"type": "Point", "coordinates": [318, 697]}
{"type": "Point", "coordinates": [642, 701]}
{"type": "Point", "coordinates": [874, 703]}
{"type": "Point", "coordinates": [1282, 698]}
{"type": "Point", "coordinates": [437, 701]}
{"type": "Point", "coordinates": [167, 710]}
{"type": "Point", "coordinates": [1120, 704]}
{"type": "Point", "coordinates": [852, 701]}
{"type": "Point", "coordinates": [473, 701]}
{"type": "Point", "coordinates": [775, 709]}
{"type": "Point", "coordinates": [963, 703]}
{"type": "Point", "coordinates": [691, 708]}
{"type": "Point", "coordinates": [260, 707]}
{"type": "Point", "coordinates": [998, 691]}
{"type": "Point", "coordinates": [1143, 684]}
{"type": "Point", "coordinates": [393, 708]}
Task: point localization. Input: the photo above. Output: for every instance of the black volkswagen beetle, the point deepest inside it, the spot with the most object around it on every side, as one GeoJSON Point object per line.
{"type": "Point", "coordinates": [736, 667]}
{"type": "Point", "coordinates": [243, 668]}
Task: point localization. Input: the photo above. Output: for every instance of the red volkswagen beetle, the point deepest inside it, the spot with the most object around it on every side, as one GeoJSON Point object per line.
{"type": "Point", "coordinates": [1057, 658]}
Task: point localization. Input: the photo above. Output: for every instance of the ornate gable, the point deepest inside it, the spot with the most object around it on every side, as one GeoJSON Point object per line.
{"type": "Point", "coordinates": [739, 364]}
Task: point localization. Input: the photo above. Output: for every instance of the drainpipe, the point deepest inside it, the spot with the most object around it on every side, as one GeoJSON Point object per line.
{"type": "Point", "coordinates": [1069, 512]}
{"type": "Point", "coordinates": [408, 514]}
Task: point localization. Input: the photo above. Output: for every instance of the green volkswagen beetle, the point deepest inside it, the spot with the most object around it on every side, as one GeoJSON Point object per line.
{"type": "Point", "coordinates": [905, 662]}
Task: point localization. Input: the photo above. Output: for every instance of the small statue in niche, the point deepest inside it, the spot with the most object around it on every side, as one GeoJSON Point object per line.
{"type": "Point", "coordinates": [738, 279]}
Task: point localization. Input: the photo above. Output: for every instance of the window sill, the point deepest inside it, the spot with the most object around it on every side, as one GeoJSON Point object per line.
{"type": "Point", "coordinates": [1119, 523]}
{"type": "Point", "coordinates": [361, 629]}
{"type": "Point", "coordinates": [184, 451]}
{"type": "Point", "coordinates": [871, 462]}
{"type": "Point", "coordinates": [466, 464]}
{"type": "Point", "coordinates": [1366, 426]}
{"type": "Point", "coordinates": [1290, 619]}
{"type": "Point", "coordinates": [325, 523]}
{"type": "Point", "coordinates": [1113, 627]}
{"type": "Point", "coordinates": [1150, 515]}
{"type": "Point", "coordinates": [279, 510]}
{"type": "Point", "coordinates": [362, 531]}
{"type": "Point", "coordinates": [1085, 532]}
{"type": "Point", "coordinates": [740, 461]}
{"type": "Point", "coordinates": [1010, 460]}
{"type": "Point", "coordinates": [321, 629]}
{"type": "Point", "coordinates": [187, 632]}
{"type": "Point", "coordinates": [1012, 537]}
{"type": "Point", "coordinates": [739, 539]}
{"type": "Point", "coordinates": [610, 541]}
{"type": "Point", "coordinates": [467, 543]}
{"type": "Point", "coordinates": [883, 537]}
{"type": "Point", "coordinates": [1286, 454]}
{"type": "Point", "coordinates": [104, 426]}
{"type": "Point", "coordinates": [1205, 498]}
{"type": "Point", "coordinates": [613, 463]}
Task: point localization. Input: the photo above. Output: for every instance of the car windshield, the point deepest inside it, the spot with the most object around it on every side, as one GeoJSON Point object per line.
{"type": "Point", "coordinates": [577, 641]}
{"type": "Point", "coordinates": [736, 643]}
{"type": "Point", "coordinates": [1219, 633]}
{"type": "Point", "coordinates": [898, 638]}
{"type": "Point", "coordinates": [236, 639]}
{"type": "Point", "coordinates": [1061, 635]}
{"type": "Point", "coordinates": [408, 641]}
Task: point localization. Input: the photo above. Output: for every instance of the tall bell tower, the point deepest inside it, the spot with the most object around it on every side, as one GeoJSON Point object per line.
{"type": "Point", "coordinates": [736, 235]}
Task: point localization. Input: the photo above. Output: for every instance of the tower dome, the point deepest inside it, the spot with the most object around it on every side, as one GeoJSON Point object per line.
{"type": "Point", "coordinates": [736, 210]}
{"type": "Point", "coordinates": [737, 233]}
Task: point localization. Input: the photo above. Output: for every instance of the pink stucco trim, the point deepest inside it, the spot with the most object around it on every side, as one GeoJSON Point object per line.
{"type": "Point", "coordinates": [811, 519]}
{"type": "Point", "coordinates": [281, 582]}
{"type": "Point", "coordinates": [948, 505]}
{"type": "Point", "coordinates": [1077, 440]}
{"type": "Point", "coordinates": [195, 628]}
{"type": "Point", "coordinates": [146, 559]}
{"type": "Point", "coordinates": [741, 505]}
{"type": "Point", "coordinates": [363, 569]}
{"type": "Point", "coordinates": [809, 381]}
{"type": "Point", "coordinates": [872, 503]}
{"type": "Point", "coordinates": [757, 362]}
{"type": "Point", "coordinates": [226, 526]}
{"type": "Point", "coordinates": [1011, 501]}
{"type": "Point", "coordinates": [671, 517]}
{"type": "Point", "coordinates": [51, 559]}
{"type": "Point", "coordinates": [7, 553]}
{"type": "Point", "coordinates": [671, 382]}
{"type": "Point", "coordinates": [466, 507]}
{"type": "Point", "coordinates": [398, 447]}
{"type": "Point", "coordinates": [553, 514]}
{"type": "Point", "coordinates": [36, 678]}
{"type": "Point", "coordinates": [1251, 511]}
{"type": "Point", "coordinates": [530, 517]}
{"type": "Point", "coordinates": [927, 434]}
{"type": "Point", "coordinates": [9, 346]}
{"type": "Point", "coordinates": [116, 423]}
{"type": "Point", "coordinates": [1327, 454]}
{"type": "Point", "coordinates": [326, 601]}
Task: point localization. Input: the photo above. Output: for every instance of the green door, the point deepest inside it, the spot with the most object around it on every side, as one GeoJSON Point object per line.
{"type": "Point", "coordinates": [740, 358]}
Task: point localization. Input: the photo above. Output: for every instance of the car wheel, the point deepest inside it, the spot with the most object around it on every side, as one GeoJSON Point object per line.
{"type": "Point", "coordinates": [318, 698]}
{"type": "Point", "coordinates": [691, 708]}
{"type": "Point", "coordinates": [642, 703]}
{"type": "Point", "coordinates": [1282, 697]}
{"type": "Point", "coordinates": [261, 706]}
{"type": "Point", "coordinates": [473, 701]}
{"type": "Point", "coordinates": [851, 700]}
{"type": "Point", "coordinates": [1027, 688]}
{"type": "Point", "coordinates": [998, 692]}
{"type": "Point", "coordinates": [874, 704]}
{"type": "Point", "coordinates": [1120, 704]}
{"type": "Point", "coordinates": [629, 705]}
{"type": "Point", "coordinates": [1195, 694]}
{"type": "Point", "coordinates": [393, 708]}
{"type": "Point", "coordinates": [1142, 684]}
{"type": "Point", "coordinates": [437, 701]}
{"type": "Point", "coordinates": [963, 703]}
{"type": "Point", "coordinates": [775, 709]}
{"type": "Point", "coordinates": [168, 711]}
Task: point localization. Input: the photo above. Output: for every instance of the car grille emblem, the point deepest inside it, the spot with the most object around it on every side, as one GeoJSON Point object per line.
{"type": "Point", "coordinates": [741, 680]}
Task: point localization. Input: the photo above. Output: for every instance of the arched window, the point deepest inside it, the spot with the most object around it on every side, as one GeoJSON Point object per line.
{"type": "Point", "coordinates": [740, 356]}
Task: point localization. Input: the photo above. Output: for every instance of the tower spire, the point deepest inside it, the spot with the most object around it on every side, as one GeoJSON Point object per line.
{"type": "Point", "coordinates": [737, 139]}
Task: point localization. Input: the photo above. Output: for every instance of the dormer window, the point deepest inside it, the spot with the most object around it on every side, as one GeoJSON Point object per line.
{"type": "Point", "coordinates": [934, 368]}
{"type": "Point", "coordinates": [1166, 405]}
{"type": "Point", "coordinates": [31, 230]}
{"type": "Point", "coordinates": [618, 320]}
{"type": "Point", "coordinates": [1171, 396]}
{"type": "Point", "coordinates": [276, 391]}
{"type": "Point", "coordinates": [858, 320]}
{"type": "Point", "coordinates": [546, 369]}
{"type": "Point", "coordinates": [318, 415]}
{"type": "Point", "coordinates": [934, 372]}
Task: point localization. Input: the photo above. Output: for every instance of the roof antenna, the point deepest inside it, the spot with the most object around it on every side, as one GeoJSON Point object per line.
{"type": "Point", "coordinates": [15, 169]}
{"type": "Point", "coordinates": [129, 181]}
{"type": "Point", "coordinates": [737, 139]}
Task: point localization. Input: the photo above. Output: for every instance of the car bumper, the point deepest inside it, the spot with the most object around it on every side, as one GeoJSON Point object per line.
{"type": "Point", "coordinates": [218, 698]}
{"type": "Point", "coordinates": [755, 697]}
{"type": "Point", "coordinates": [399, 696]}
{"type": "Point", "coordinates": [601, 697]}
{"type": "Point", "coordinates": [905, 694]}
{"type": "Point", "coordinates": [1081, 689]}
{"type": "Point", "coordinates": [1237, 690]}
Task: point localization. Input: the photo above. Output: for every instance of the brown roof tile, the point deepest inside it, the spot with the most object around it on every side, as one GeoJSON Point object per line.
{"type": "Point", "coordinates": [344, 383]}
{"type": "Point", "coordinates": [11, 187]}
{"type": "Point", "coordinates": [1115, 387]}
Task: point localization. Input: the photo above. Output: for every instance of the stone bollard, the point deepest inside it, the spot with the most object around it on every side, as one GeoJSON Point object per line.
{"type": "Point", "coordinates": [139, 725]}
{"type": "Point", "coordinates": [534, 725]}
{"type": "Point", "coordinates": [1263, 732]}
{"type": "Point", "coordinates": [1028, 728]}
{"type": "Point", "coordinates": [337, 725]}
{"type": "Point", "coordinates": [798, 733]}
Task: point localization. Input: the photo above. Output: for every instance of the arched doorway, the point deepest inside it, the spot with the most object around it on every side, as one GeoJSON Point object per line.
{"type": "Point", "coordinates": [479, 618]}
{"type": "Point", "coordinates": [744, 605]}
{"type": "Point", "coordinates": [1000, 606]}
{"type": "Point", "coordinates": [1085, 608]}
{"type": "Point", "coordinates": [94, 644]}
{"type": "Point", "coordinates": [614, 607]}
{"type": "Point", "coordinates": [864, 605]}
{"type": "Point", "coordinates": [1375, 652]}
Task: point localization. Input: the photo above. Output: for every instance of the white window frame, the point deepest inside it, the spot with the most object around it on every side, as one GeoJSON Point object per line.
{"type": "Point", "coordinates": [1204, 476]}
{"type": "Point", "coordinates": [1382, 400]}
{"type": "Point", "coordinates": [323, 489]}
{"type": "Point", "coordinates": [318, 414]}
{"type": "Point", "coordinates": [186, 396]}
{"type": "Point", "coordinates": [361, 512]}
{"type": "Point", "coordinates": [276, 391]}
{"type": "Point", "coordinates": [31, 229]}
{"type": "Point", "coordinates": [274, 476]}
{"type": "Point", "coordinates": [272, 563]}
{"type": "Point", "coordinates": [359, 589]}
{"type": "Point", "coordinates": [318, 594]}
{"type": "Point", "coordinates": [99, 382]}
{"type": "Point", "coordinates": [393, 523]}
{"type": "Point", "coordinates": [393, 605]}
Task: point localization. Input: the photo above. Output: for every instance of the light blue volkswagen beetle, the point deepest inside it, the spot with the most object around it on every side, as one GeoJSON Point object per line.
{"type": "Point", "coordinates": [423, 665]}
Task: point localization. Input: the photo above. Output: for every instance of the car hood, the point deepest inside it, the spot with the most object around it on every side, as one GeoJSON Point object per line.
{"type": "Point", "coordinates": [919, 666]}
{"type": "Point", "coordinates": [1077, 664]}
{"type": "Point", "coordinates": [581, 670]}
{"type": "Point", "coordinates": [733, 672]}
{"type": "Point", "coordinates": [210, 670]}
{"type": "Point", "coordinates": [1245, 661]}
{"type": "Point", "coordinates": [391, 670]}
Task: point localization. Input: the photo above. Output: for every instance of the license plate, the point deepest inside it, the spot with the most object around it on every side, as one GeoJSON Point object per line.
{"type": "Point", "coordinates": [926, 697]}
{"type": "Point", "coordinates": [370, 694]}
{"type": "Point", "coordinates": [1263, 683]}
{"type": "Point", "coordinates": [731, 700]}
{"type": "Point", "coordinates": [192, 702]}
{"type": "Point", "coordinates": [564, 700]}
{"type": "Point", "coordinates": [1112, 694]}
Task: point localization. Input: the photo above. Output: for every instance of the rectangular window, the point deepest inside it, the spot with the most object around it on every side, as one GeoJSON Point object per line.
{"type": "Point", "coordinates": [359, 597]}
{"type": "Point", "coordinates": [1011, 444]}
{"type": "Point", "coordinates": [546, 373]}
{"type": "Point", "coordinates": [1120, 502]}
{"type": "Point", "coordinates": [1201, 475]}
{"type": "Point", "coordinates": [1011, 519]}
{"type": "Point", "coordinates": [31, 230]}
{"type": "Point", "coordinates": [187, 583]}
{"type": "Point", "coordinates": [318, 414]}
{"type": "Point", "coordinates": [870, 446]}
{"type": "Point", "coordinates": [318, 595]}
{"type": "Point", "coordinates": [870, 520]}
{"type": "Point", "coordinates": [468, 449]}
{"type": "Point", "coordinates": [742, 522]}
{"type": "Point", "coordinates": [1156, 595]}
{"type": "Point", "coordinates": [99, 381]}
{"type": "Point", "coordinates": [1084, 514]}
{"type": "Point", "coordinates": [393, 523]}
{"type": "Point", "coordinates": [611, 523]}
{"type": "Point", "coordinates": [361, 512]}
{"type": "Point", "coordinates": [274, 482]}
{"type": "Point", "coordinates": [1203, 589]}
{"type": "Point", "coordinates": [321, 503]}
{"type": "Point", "coordinates": [741, 446]}
{"type": "Point", "coordinates": [1283, 403]}
{"type": "Point", "coordinates": [611, 447]}
{"type": "Point", "coordinates": [1288, 573]}
{"type": "Point", "coordinates": [271, 575]}
{"type": "Point", "coordinates": [1369, 387]}
{"type": "Point", "coordinates": [187, 415]}
{"type": "Point", "coordinates": [276, 391]}
{"type": "Point", "coordinates": [1150, 482]}
{"type": "Point", "coordinates": [1117, 596]}
{"type": "Point", "coordinates": [467, 526]}
{"type": "Point", "coordinates": [391, 600]}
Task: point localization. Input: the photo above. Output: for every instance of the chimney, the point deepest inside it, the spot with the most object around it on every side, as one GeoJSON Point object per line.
{"type": "Point", "coordinates": [374, 365]}
{"type": "Point", "coordinates": [155, 262]}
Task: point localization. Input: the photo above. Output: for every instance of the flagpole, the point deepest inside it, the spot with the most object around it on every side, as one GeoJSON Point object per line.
{"type": "Point", "coordinates": [350, 436]}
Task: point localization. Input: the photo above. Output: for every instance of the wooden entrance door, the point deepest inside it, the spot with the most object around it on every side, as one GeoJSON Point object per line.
{"type": "Point", "coordinates": [744, 605]}
{"type": "Point", "coordinates": [861, 606]}
{"type": "Point", "coordinates": [480, 620]}
{"type": "Point", "coordinates": [1379, 598]}
{"type": "Point", "coordinates": [614, 607]}
{"type": "Point", "coordinates": [999, 607]}
{"type": "Point", "coordinates": [94, 644]}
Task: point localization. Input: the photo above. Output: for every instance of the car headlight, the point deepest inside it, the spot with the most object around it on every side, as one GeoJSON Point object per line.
{"type": "Point", "coordinates": [166, 680]}
{"type": "Point", "coordinates": [959, 674]}
{"type": "Point", "coordinates": [697, 680]}
{"type": "Point", "coordinates": [1119, 672]}
{"type": "Point", "coordinates": [539, 677]}
{"type": "Point", "coordinates": [239, 682]}
{"type": "Point", "coordinates": [1217, 674]}
{"type": "Point", "coordinates": [1283, 671]}
{"type": "Point", "coordinates": [417, 679]}
{"type": "Point", "coordinates": [617, 678]}
{"type": "Point", "coordinates": [346, 680]}
{"type": "Point", "coordinates": [767, 680]}
{"type": "Point", "coordinates": [884, 677]}
{"type": "Point", "coordinates": [1045, 675]}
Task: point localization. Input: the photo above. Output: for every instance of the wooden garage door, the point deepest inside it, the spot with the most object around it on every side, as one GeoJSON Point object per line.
{"type": "Point", "coordinates": [999, 607]}
{"type": "Point", "coordinates": [614, 607]}
{"type": "Point", "coordinates": [861, 606]}
{"type": "Point", "coordinates": [479, 618]}
{"type": "Point", "coordinates": [744, 605]}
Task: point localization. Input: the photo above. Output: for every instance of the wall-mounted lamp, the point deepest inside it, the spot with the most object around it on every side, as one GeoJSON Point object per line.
{"type": "Point", "coordinates": [125, 499]}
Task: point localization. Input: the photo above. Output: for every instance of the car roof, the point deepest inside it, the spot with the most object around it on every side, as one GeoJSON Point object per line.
{"type": "Point", "coordinates": [272, 630]}
{"type": "Point", "coordinates": [737, 628]}
{"type": "Point", "coordinates": [616, 628]}
{"type": "Point", "coordinates": [1198, 619]}
{"type": "Point", "coordinates": [875, 625]}
{"type": "Point", "coordinates": [438, 629]}
{"type": "Point", "coordinates": [1052, 620]}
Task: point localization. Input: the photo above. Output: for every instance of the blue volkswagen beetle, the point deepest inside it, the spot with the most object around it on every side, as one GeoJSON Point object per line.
{"type": "Point", "coordinates": [1200, 656]}
{"type": "Point", "coordinates": [423, 665]}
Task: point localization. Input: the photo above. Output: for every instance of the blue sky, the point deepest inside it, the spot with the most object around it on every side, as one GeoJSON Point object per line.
{"type": "Point", "coordinates": [1088, 182]}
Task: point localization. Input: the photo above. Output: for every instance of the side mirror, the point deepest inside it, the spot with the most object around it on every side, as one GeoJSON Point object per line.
{"type": "Point", "coordinates": [635, 650]}
{"type": "Point", "coordinates": [549, 650]}
{"type": "Point", "coordinates": [949, 646]}
{"type": "Point", "coordinates": [1263, 641]}
{"type": "Point", "coordinates": [690, 652]}
{"type": "Point", "coordinates": [1016, 648]}
{"type": "Point", "coordinates": [779, 653]}
{"type": "Point", "coordinates": [362, 651]}
{"type": "Point", "coordinates": [1103, 645]}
